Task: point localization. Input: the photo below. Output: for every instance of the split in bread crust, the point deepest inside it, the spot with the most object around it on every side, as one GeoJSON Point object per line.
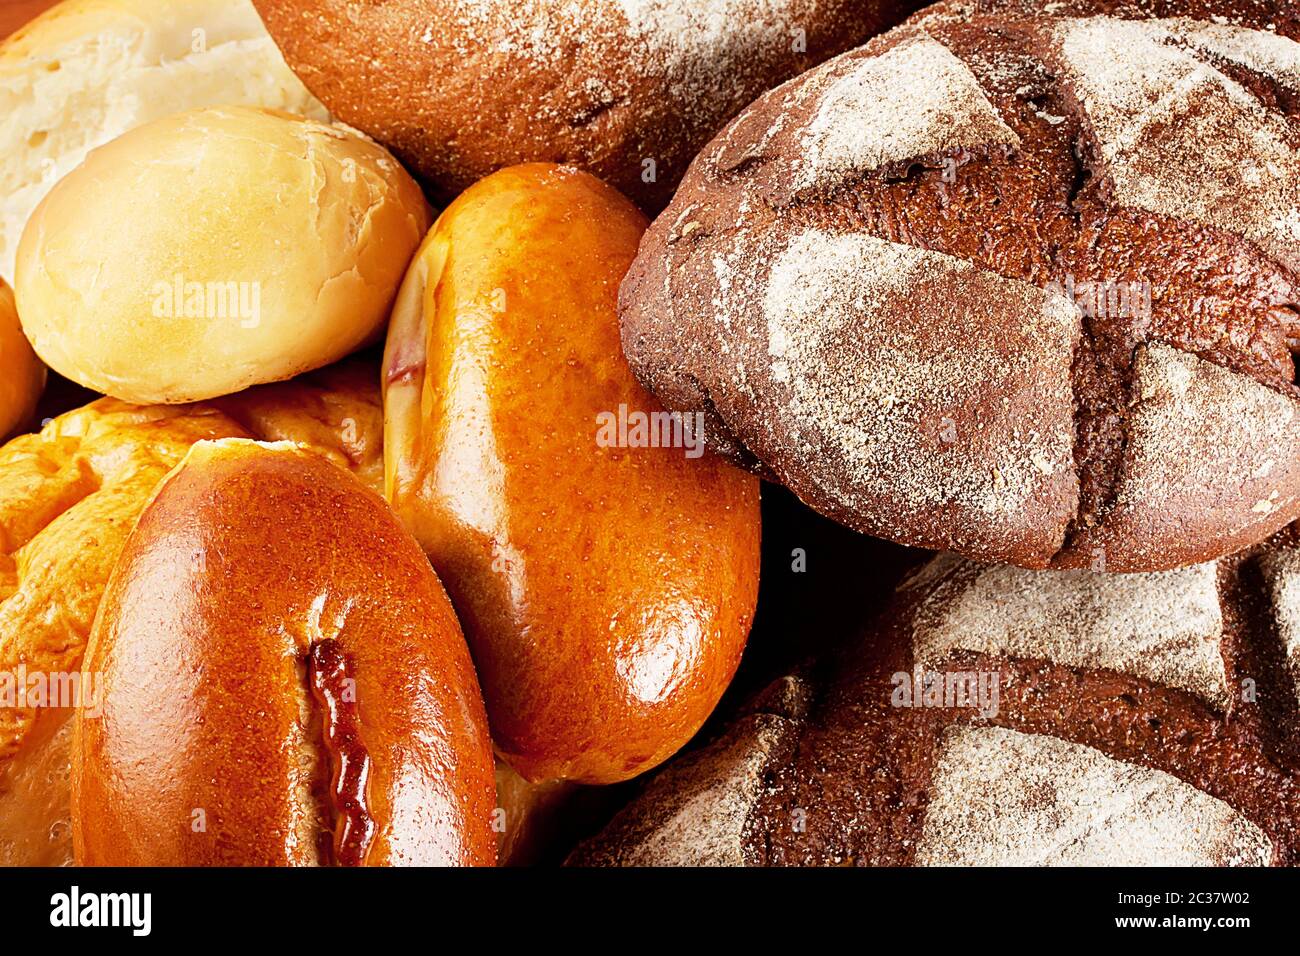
{"type": "Point", "coordinates": [1014, 285]}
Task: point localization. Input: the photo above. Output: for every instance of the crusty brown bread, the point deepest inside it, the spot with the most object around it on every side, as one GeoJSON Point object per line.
{"type": "Point", "coordinates": [1014, 285]}
{"type": "Point", "coordinates": [460, 88]}
{"type": "Point", "coordinates": [68, 499]}
{"type": "Point", "coordinates": [284, 682]}
{"type": "Point", "coordinates": [1138, 719]}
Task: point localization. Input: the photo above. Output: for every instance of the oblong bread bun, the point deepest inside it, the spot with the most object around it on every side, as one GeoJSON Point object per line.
{"type": "Point", "coordinates": [284, 682]}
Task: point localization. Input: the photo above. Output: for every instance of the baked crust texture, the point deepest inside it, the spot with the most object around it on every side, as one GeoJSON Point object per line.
{"type": "Point", "coordinates": [1016, 285]}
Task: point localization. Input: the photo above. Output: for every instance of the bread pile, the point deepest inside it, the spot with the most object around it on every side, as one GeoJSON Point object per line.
{"type": "Point", "coordinates": [413, 536]}
{"type": "Point", "coordinates": [1141, 719]}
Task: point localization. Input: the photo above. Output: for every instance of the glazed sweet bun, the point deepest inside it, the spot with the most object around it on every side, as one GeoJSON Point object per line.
{"type": "Point", "coordinates": [213, 250]}
{"type": "Point", "coordinates": [606, 577]}
{"type": "Point", "coordinates": [334, 720]}
{"type": "Point", "coordinates": [88, 70]}
{"type": "Point", "coordinates": [69, 496]}
{"type": "Point", "coordinates": [22, 376]}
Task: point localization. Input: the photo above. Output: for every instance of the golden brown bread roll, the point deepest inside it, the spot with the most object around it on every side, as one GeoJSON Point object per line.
{"type": "Point", "coordinates": [68, 498]}
{"type": "Point", "coordinates": [22, 376]}
{"type": "Point", "coordinates": [284, 682]}
{"type": "Point", "coordinates": [606, 587]}
{"type": "Point", "coordinates": [216, 249]}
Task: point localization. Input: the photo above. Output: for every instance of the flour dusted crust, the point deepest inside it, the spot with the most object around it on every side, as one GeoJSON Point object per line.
{"type": "Point", "coordinates": [1139, 720]}
{"type": "Point", "coordinates": [1141, 172]}
{"type": "Point", "coordinates": [1263, 52]}
{"type": "Point", "coordinates": [460, 88]}
{"type": "Point", "coordinates": [1179, 138]}
{"type": "Point", "coordinates": [1202, 441]}
{"type": "Point", "coordinates": [1281, 570]}
{"type": "Point", "coordinates": [841, 338]}
{"type": "Point", "coordinates": [1003, 798]}
{"type": "Point", "coordinates": [916, 98]}
{"type": "Point", "coordinates": [1165, 626]}
{"type": "Point", "coordinates": [694, 813]}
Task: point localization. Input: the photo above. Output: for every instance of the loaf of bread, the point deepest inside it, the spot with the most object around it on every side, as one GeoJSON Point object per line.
{"type": "Point", "coordinates": [283, 682]}
{"type": "Point", "coordinates": [1008, 283]}
{"type": "Point", "coordinates": [22, 376]}
{"type": "Point", "coordinates": [626, 89]}
{"type": "Point", "coordinates": [606, 578]}
{"type": "Point", "coordinates": [1001, 716]}
{"type": "Point", "coordinates": [213, 250]}
{"type": "Point", "coordinates": [68, 498]}
{"type": "Point", "coordinates": [87, 71]}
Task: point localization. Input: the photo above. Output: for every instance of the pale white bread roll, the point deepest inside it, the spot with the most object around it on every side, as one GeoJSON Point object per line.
{"type": "Point", "coordinates": [216, 249]}
{"type": "Point", "coordinates": [89, 70]}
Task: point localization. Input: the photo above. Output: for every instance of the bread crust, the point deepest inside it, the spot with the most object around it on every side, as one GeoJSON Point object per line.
{"type": "Point", "coordinates": [964, 314]}
{"type": "Point", "coordinates": [461, 88]}
{"type": "Point", "coordinates": [285, 682]}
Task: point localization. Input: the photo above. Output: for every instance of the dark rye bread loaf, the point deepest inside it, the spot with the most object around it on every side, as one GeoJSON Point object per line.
{"type": "Point", "coordinates": [1013, 285]}
{"type": "Point", "coordinates": [1139, 719]}
{"type": "Point", "coordinates": [460, 88]}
